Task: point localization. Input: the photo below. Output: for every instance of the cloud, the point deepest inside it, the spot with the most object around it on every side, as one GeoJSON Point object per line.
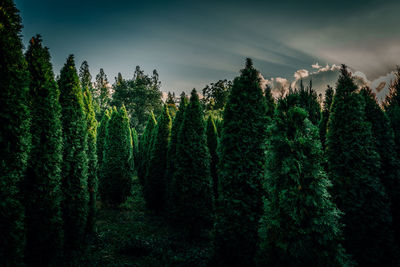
{"type": "Point", "coordinates": [381, 85]}
{"type": "Point", "coordinates": [316, 66]}
{"type": "Point", "coordinates": [301, 74]}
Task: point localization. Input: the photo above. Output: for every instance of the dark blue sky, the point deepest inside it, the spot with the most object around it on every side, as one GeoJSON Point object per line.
{"type": "Point", "coordinates": [193, 43]}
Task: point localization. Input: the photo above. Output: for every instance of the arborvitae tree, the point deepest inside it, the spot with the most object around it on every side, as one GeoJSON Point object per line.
{"type": "Point", "coordinates": [171, 159]}
{"type": "Point", "coordinates": [354, 169]}
{"type": "Point", "coordinates": [156, 183]}
{"type": "Point", "coordinates": [191, 188]}
{"type": "Point", "coordinates": [270, 102]}
{"type": "Point", "coordinates": [86, 82]}
{"type": "Point", "coordinates": [14, 134]}
{"type": "Point", "coordinates": [101, 136]}
{"type": "Point", "coordinates": [170, 102]}
{"type": "Point", "coordinates": [102, 95]}
{"type": "Point", "coordinates": [41, 188]}
{"type": "Point", "coordinates": [144, 148]}
{"type": "Point", "coordinates": [392, 108]}
{"type": "Point", "coordinates": [212, 143]}
{"type": "Point", "coordinates": [300, 225]}
{"type": "Point", "coordinates": [325, 115]}
{"type": "Point", "coordinates": [135, 146]}
{"type": "Point", "coordinates": [116, 175]}
{"type": "Point", "coordinates": [242, 149]}
{"type": "Point", "coordinates": [75, 161]}
{"type": "Point", "coordinates": [385, 145]}
{"type": "Point", "coordinates": [92, 156]}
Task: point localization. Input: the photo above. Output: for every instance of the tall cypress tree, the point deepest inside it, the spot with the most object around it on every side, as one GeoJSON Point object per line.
{"type": "Point", "coordinates": [242, 148]}
{"type": "Point", "coordinates": [116, 175]}
{"type": "Point", "coordinates": [300, 225]}
{"type": "Point", "coordinates": [191, 188]}
{"type": "Point", "coordinates": [385, 145]}
{"type": "Point", "coordinates": [171, 159]}
{"type": "Point", "coordinates": [91, 154]}
{"type": "Point", "coordinates": [325, 115]}
{"type": "Point", "coordinates": [144, 148]}
{"type": "Point", "coordinates": [156, 184]}
{"type": "Point", "coordinates": [101, 136]}
{"type": "Point", "coordinates": [42, 185]}
{"type": "Point", "coordinates": [354, 169]}
{"type": "Point", "coordinates": [14, 134]}
{"type": "Point", "coordinates": [75, 161]}
{"type": "Point", "coordinates": [212, 143]}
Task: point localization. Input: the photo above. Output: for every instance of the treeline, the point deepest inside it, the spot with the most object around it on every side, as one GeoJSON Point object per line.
{"type": "Point", "coordinates": [268, 182]}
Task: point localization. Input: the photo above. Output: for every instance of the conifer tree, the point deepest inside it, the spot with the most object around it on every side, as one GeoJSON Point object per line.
{"type": "Point", "coordinates": [155, 184]}
{"type": "Point", "coordinates": [171, 159]}
{"type": "Point", "coordinates": [144, 148]}
{"type": "Point", "coordinates": [270, 102]}
{"type": "Point", "coordinates": [300, 225]}
{"type": "Point", "coordinates": [191, 188]}
{"type": "Point", "coordinates": [212, 144]}
{"type": "Point", "coordinates": [385, 145]}
{"type": "Point", "coordinates": [242, 148]}
{"type": "Point", "coordinates": [75, 161]}
{"type": "Point", "coordinates": [14, 134]}
{"type": "Point", "coordinates": [325, 115]}
{"type": "Point", "coordinates": [354, 169]}
{"type": "Point", "coordinates": [135, 147]}
{"type": "Point", "coordinates": [102, 93]}
{"type": "Point", "coordinates": [42, 185]}
{"type": "Point", "coordinates": [116, 175]}
{"type": "Point", "coordinates": [392, 108]}
{"type": "Point", "coordinates": [86, 82]}
{"type": "Point", "coordinates": [92, 156]}
{"type": "Point", "coordinates": [100, 139]}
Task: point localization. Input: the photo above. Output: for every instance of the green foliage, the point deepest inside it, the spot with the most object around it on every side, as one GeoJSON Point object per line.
{"type": "Point", "coordinates": [191, 206]}
{"type": "Point", "coordinates": [216, 94]}
{"type": "Point", "coordinates": [323, 124]}
{"type": "Point", "coordinates": [385, 146]}
{"type": "Point", "coordinates": [144, 148]}
{"type": "Point", "coordinates": [242, 148]}
{"type": "Point", "coordinates": [75, 160]}
{"type": "Point", "coordinates": [135, 147]}
{"type": "Point", "coordinates": [102, 95]}
{"type": "Point", "coordinates": [14, 134]}
{"type": "Point", "coordinates": [212, 144]}
{"type": "Point", "coordinates": [92, 156]}
{"type": "Point", "coordinates": [42, 185]}
{"type": "Point", "coordinates": [172, 159]}
{"type": "Point", "coordinates": [300, 225]}
{"type": "Point", "coordinates": [140, 95]}
{"type": "Point", "coordinates": [86, 82]}
{"type": "Point", "coordinates": [116, 173]}
{"type": "Point", "coordinates": [155, 185]}
{"type": "Point", "coordinates": [101, 136]}
{"type": "Point", "coordinates": [171, 99]}
{"type": "Point", "coordinates": [392, 108]}
{"type": "Point", "coordinates": [354, 170]}
{"type": "Point", "coordinates": [270, 102]}
{"type": "Point", "coordinates": [306, 98]}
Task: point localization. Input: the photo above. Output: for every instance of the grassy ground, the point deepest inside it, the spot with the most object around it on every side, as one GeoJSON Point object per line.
{"type": "Point", "coordinates": [129, 236]}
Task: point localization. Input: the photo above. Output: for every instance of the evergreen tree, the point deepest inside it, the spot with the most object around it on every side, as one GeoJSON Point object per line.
{"type": "Point", "coordinates": [102, 96]}
{"type": "Point", "coordinates": [42, 185]}
{"type": "Point", "coordinates": [100, 139]}
{"type": "Point", "coordinates": [392, 108]}
{"type": "Point", "coordinates": [325, 115]}
{"type": "Point", "coordinates": [171, 104]}
{"type": "Point", "coordinates": [300, 225]}
{"type": "Point", "coordinates": [385, 145]}
{"type": "Point", "coordinates": [270, 102]}
{"type": "Point", "coordinates": [75, 161]}
{"type": "Point", "coordinates": [135, 147]}
{"type": "Point", "coordinates": [116, 175]}
{"type": "Point", "coordinates": [86, 82]}
{"type": "Point", "coordinates": [155, 184]}
{"type": "Point", "coordinates": [191, 188]}
{"type": "Point", "coordinates": [242, 148]}
{"type": "Point", "coordinates": [354, 169]}
{"type": "Point", "coordinates": [92, 156]}
{"type": "Point", "coordinates": [144, 148]}
{"type": "Point", "coordinates": [14, 134]}
{"type": "Point", "coordinates": [212, 143]}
